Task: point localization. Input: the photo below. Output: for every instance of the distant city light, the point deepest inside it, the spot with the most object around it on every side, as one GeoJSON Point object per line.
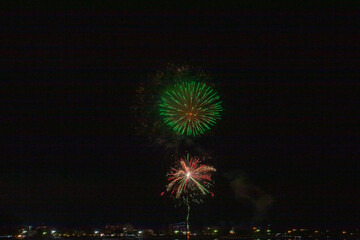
{"type": "Point", "coordinates": [54, 232]}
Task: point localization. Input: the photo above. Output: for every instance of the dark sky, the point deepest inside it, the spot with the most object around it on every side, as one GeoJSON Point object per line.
{"type": "Point", "coordinates": [288, 79]}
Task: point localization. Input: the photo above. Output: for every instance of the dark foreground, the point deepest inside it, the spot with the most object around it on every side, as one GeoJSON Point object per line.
{"type": "Point", "coordinates": [200, 238]}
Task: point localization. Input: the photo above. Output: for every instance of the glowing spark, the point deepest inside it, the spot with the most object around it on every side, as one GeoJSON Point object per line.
{"type": "Point", "coordinates": [190, 108]}
{"type": "Point", "coordinates": [188, 177]}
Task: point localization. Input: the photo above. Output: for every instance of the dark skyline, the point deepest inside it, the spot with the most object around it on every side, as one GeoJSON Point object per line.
{"type": "Point", "coordinates": [288, 79]}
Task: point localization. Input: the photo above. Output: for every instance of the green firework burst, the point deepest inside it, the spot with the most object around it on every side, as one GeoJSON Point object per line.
{"type": "Point", "coordinates": [190, 108]}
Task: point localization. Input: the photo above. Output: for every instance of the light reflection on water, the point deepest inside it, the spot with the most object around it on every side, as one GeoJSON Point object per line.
{"type": "Point", "coordinates": [244, 238]}
{"type": "Point", "coordinates": [234, 238]}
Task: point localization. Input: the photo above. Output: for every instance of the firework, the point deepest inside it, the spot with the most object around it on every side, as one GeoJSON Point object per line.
{"type": "Point", "coordinates": [190, 107]}
{"type": "Point", "coordinates": [189, 178]}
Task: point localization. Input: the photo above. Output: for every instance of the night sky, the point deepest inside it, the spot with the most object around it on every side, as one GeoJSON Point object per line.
{"type": "Point", "coordinates": [286, 150]}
